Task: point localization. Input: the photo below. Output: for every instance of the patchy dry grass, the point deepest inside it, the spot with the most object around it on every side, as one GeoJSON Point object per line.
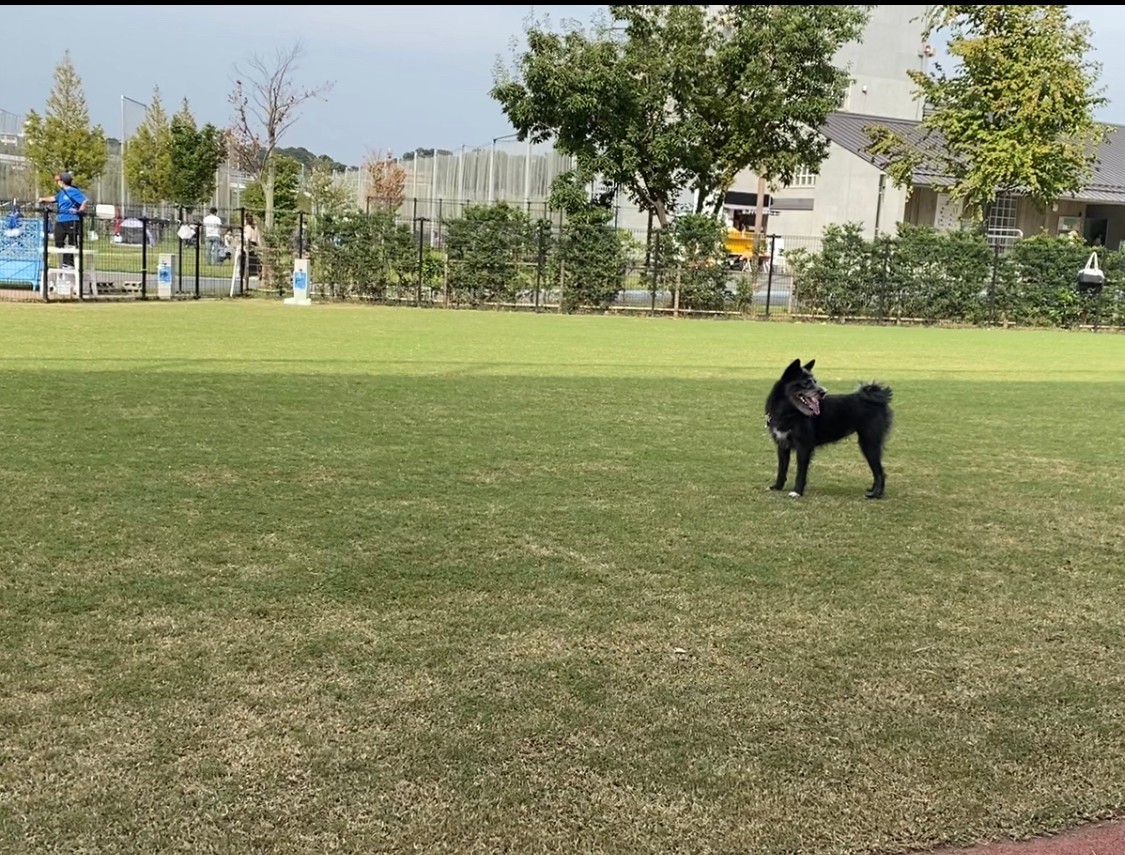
{"type": "Point", "coordinates": [367, 580]}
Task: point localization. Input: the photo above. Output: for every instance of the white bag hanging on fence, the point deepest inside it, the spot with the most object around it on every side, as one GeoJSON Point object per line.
{"type": "Point", "coordinates": [1091, 278]}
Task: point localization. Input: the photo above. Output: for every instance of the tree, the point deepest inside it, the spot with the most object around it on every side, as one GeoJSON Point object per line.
{"type": "Point", "coordinates": [669, 98]}
{"type": "Point", "coordinates": [62, 138]}
{"type": "Point", "coordinates": [1016, 116]}
{"type": "Point", "coordinates": [148, 156]}
{"type": "Point", "coordinates": [266, 104]}
{"type": "Point", "coordinates": [286, 190]}
{"type": "Point", "coordinates": [326, 195]}
{"type": "Point", "coordinates": [591, 257]}
{"type": "Point", "coordinates": [196, 154]}
{"type": "Point", "coordinates": [384, 182]}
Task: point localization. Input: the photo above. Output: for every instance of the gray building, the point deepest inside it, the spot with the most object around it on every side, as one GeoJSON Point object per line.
{"type": "Point", "coordinates": [848, 188]}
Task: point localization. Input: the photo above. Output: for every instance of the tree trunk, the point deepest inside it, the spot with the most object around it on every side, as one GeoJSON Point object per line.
{"type": "Point", "coordinates": [271, 174]}
{"type": "Point", "coordinates": [661, 213]}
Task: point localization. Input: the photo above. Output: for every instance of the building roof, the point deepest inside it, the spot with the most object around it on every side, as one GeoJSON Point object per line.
{"type": "Point", "coordinates": [847, 130]}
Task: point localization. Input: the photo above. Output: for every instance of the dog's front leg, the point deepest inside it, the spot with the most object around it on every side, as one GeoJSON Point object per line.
{"type": "Point", "coordinates": [782, 468]}
{"type": "Point", "coordinates": [804, 455]}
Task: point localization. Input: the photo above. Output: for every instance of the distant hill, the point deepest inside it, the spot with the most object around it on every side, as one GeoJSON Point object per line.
{"type": "Point", "coordinates": [310, 161]}
{"type": "Point", "coordinates": [424, 152]}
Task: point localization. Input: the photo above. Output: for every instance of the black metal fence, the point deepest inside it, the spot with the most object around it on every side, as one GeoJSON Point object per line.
{"type": "Point", "coordinates": [530, 257]}
{"type": "Point", "coordinates": [171, 255]}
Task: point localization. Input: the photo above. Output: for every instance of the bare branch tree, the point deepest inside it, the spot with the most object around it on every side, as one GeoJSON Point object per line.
{"type": "Point", "coordinates": [385, 188]}
{"type": "Point", "coordinates": [266, 103]}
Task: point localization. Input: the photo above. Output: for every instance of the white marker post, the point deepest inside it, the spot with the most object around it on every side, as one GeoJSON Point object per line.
{"type": "Point", "coordinates": [300, 283]}
{"type": "Point", "coordinates": [165, 274]}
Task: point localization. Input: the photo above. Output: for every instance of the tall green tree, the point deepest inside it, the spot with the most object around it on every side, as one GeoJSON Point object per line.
{"type": "Point", "coordinates": [148, 155]}
{"type": "Point", "coordinates": [286, 191]}
{"type": "Point", "coordinates": [326, 195]}
{"type": "Point", "coordinates": [1014, 116]}
{"type": "Point", "coordinates": [196, 154]}
{"type": "Point", "coordinates": [662, 99]}
{"type": "Point", "coordinates": [62, 138]}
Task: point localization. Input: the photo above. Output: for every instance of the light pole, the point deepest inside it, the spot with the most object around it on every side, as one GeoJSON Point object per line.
{"type": "Point", "coordinates": [492, 159]}
{"type": "Point", "coordinates": [121, 147]}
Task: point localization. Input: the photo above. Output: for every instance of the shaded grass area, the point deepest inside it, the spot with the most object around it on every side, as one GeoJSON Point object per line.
{"type": "Point", "coordinates": [283, 581]}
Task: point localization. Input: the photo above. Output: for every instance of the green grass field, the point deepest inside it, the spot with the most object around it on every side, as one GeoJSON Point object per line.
{"type": "Point", "coordinates": [390, 580]}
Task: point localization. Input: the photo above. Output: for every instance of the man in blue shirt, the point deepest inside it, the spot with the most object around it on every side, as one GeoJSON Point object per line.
{"type": "Point", "coordinates": [71, 203]}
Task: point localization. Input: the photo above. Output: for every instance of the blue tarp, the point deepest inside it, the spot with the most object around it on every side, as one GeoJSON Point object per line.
{"type": "Point", "coordinates": [21, 252]}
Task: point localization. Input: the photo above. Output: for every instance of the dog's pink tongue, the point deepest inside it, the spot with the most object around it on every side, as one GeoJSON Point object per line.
{"type": "Point", "coordinates": [814, 405]}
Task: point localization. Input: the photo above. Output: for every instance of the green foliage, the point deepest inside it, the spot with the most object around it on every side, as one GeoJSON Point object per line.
{"type": "Point", "coordinates": [148, 156]}
{"type": "Point", "coordinates": [312, 161]}
{"type": "Point", "coordinates": [362, 255]}
{"type": "Point", "coordinates": [957, 276]}
{"type": "Point", "coordinates": [488, 246]}
{"type": "Point", "coordinates": [589, 262]}
{"type": "Point", "coordinates": [1016, 115]}
{"type": "Point", "coordinates": [195, 155]}
{"type": "Point", "coordinates": [286, 193]}
{"type": "Point", "coordinates": [62, 139]}
{"type": "Point", "coordinates": [1039, 285]}
{"type": "Point", "coordinates": [837, 280]}
{"type": "Point", "coordinates": [670, 97]}
{"type": "Point", "coordinates": [589, 258]}
{"type": "Point", "coordinates": [325, 195]}
{"type": "Point", "coordinates": [698, 241]}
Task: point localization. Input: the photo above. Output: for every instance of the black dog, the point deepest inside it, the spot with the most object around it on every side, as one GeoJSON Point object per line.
{"type": "Point", "coordinates": [801, 415]}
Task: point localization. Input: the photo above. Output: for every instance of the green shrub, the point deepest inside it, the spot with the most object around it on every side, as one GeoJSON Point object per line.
{"type": "Point", "coordinates": [361, 255]}
{"type": "Point", "coordinates": [954, 276]}
{"type": "Point", "coordinates": [488, 247]}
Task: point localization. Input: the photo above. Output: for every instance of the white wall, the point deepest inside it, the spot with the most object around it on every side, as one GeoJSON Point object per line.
{"type": "Point", "coordinates": [847, 191]}
{"type": "Point", "coordinates": [892, 45]}
{"type": "Point", "coordinates": [847, 188]}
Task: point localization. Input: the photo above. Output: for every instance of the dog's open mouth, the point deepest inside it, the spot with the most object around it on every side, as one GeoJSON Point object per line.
{"type": "Point", "coordinates": [811, 402]}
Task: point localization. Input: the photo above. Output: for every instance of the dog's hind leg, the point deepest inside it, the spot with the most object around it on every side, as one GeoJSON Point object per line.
{"type": "Point", "coordinates": [872, 448]}
{"type": "Point", "coordinates": [782, 468]}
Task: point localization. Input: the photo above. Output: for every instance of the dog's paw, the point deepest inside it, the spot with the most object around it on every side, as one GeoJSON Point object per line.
{"type": "Point", "coordinates": [871, 494]}
{"type": "Point", "coordinates": [776, 487]}
{"type": "Point", "coordinates": [793, 494]}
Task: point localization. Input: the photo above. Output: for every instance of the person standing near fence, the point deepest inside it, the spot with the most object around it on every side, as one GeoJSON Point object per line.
{"type": "Point", "coordinates": [212, 233]}
{"type": "Point", "coordinates": [70, 204]}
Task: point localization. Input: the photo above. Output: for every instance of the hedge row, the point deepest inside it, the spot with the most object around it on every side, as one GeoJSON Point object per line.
{"type": "Point", "coordinates": [922, 274]}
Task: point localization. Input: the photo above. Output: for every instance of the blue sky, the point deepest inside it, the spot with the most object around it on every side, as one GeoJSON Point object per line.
{"type": "Point", "coordinates": [404, 76]}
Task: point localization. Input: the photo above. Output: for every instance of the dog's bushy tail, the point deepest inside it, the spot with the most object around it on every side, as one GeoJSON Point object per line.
{"type": "Point", "coordinates": [876, 393]}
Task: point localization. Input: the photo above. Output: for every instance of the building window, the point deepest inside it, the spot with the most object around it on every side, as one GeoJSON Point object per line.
{"type": "Point", "coordinates": [1002, 231]}
{"type": "Point", "coordinates": [803, 177]}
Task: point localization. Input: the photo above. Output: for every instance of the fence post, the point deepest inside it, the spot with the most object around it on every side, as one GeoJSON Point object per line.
{"type": "Point", "coordinates": [655, 269]}
{"type": "Point", "coordinates": [198, 241]}
{"type": "Point", "coordinates": [180, 251]}
{"type": "Point", "coordinates": [885, 281]}
{"type": "Point", "coordinates": [992, 284]}
{"type": "Point", "coordinates": [421, 221]}
{"type": "Point", "coordinates": [540, 259]}
{"type": "Point", "coordinates": [676, 299]}
{"type": "Point", "coordinates": [769, 274]}
{"type": "Point", "coordinates": [144, 258]}
{"type": "Point", "coordinates": [46, 254]}
{"type": "Point", "coordinates": [244, 262]}
{"type": "Point", "coordinates": [81, 254]}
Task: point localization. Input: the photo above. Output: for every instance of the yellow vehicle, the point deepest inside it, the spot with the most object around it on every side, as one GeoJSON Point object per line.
{"type": "Point", "coordinates": [739, 213]}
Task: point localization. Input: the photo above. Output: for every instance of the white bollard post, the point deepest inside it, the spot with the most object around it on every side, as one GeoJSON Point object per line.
{"type": "Point", "coordinates": [300, 283]}
{"type": "Point", "coordinates": [165, 275]}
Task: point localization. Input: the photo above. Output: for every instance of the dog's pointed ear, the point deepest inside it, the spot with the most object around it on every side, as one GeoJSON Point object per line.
{"type": "Point", "coordinates": [792, 368]}
{"type": "Point", "coordinates": [810, 364]}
